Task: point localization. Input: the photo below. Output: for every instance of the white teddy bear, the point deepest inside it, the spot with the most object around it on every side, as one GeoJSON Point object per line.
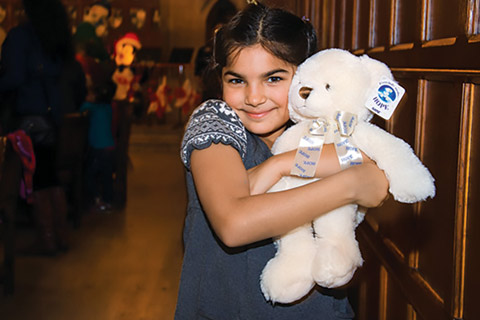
{"type": "Point", "coordinates": [327, 101]}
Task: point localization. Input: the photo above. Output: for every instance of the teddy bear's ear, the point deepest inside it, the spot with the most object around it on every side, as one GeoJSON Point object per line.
{"type": "Point", "coordinates": [376, 68]}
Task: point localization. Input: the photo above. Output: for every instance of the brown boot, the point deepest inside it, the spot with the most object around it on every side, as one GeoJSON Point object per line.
{"type": "Point", "coordinates": [60, 210]}
{"type": "Point", "coordinates": [42, 214]}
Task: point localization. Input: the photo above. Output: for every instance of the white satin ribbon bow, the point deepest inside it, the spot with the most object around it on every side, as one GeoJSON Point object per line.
{"type": "Point", "coordinates": [311, 144]}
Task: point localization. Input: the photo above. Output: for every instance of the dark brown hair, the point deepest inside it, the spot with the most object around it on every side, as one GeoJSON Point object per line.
{"type": "Point", "coordinates": [280, 32]}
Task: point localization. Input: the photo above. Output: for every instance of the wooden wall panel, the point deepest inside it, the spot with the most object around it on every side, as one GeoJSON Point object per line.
{"type": "Point", "coordinates": [395, 226]}
{"type": "Point", "coordinates": [393, 306]}
{"type": "Point", "coordinates": [437, 218]}
{"type": "Point", "coordinates": [403, 122]}
{"type": "Point", "coordinates": [364, 296]}
{"type": "Point", "coordinates": [347, 14]}
{"type": "Point", "coordinates": [380, 24]}
{"type": "Point", "coordinates": [421, 260]}
{"type": "Point", "coordinates": [471, 203]}
{"type": "Point", "coordinates": [361, 25]}
{"type": "Point", "coordinates": [338, 14]}
{"type": "Point", "coordinates": [403, 30]}
{"type": "Point", "coordinates": [473, 18]}
{"type": "Point", "coordinates": [401, 218]}
{"type": "Point", "coordinates": [444, 19]}
{"type": "Point", "coordinates": [341, 23]}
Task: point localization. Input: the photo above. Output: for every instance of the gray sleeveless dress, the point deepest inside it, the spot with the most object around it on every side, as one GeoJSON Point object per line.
{"type": "Point", "coordinates": [219, 282]}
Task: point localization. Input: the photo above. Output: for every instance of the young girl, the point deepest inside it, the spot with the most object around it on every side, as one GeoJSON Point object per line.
{"type": "Point", "coordinates": [230, 220]}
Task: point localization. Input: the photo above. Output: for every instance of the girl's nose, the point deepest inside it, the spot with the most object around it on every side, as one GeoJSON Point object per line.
{"type": "Point", "coordinates": [255, 95]}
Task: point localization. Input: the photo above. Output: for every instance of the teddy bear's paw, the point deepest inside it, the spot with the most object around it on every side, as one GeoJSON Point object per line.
{"type": "Point", "coordinates": [335, 262]}
{"type": "Point", "coordinates": [410, 193]}
{"type": "Point", "coordinates": [286, 282]}
{"type": "Point", "coordinates": [409, 186]}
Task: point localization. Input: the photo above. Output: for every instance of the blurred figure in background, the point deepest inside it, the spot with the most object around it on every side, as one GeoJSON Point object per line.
{"type": "Point", "coordinates": [88, 35]}
{"type": "Point", "coordinates": [89, 46]}
{"type": "Point", "coordinates": [126, 97]}
{"type": "Point", "coordinates": [100, 155]}
{"type": "Point", "coordinates": [220, 13]}
{"type": "Point", "coordinates": [33, 63]}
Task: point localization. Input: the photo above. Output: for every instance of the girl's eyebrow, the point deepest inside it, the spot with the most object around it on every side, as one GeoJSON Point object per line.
{"type": "Point", "coordinates": [233, 74]}
{"type": "Point", "coordinates": [271, 73]}
{"type": "Point", "coordinates": [265, 75]}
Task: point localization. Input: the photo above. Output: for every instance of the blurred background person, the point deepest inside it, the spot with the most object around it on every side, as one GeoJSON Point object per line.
{"type": "Point", "coordinates": [33, 63]}
{"type": "Point", "coordinates": [101, 144]}
{"type": "Point", "coordinates": [220, 13]}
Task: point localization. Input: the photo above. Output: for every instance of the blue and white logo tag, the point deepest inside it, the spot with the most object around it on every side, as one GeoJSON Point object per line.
{"type": "Point", "coordinates": [385, 98]}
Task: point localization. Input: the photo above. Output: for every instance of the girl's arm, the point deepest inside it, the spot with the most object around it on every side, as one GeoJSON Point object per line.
{"type": "Point", "coordinates": [240, 218]}
{"type": "Point", "coordinates": [266, 174]}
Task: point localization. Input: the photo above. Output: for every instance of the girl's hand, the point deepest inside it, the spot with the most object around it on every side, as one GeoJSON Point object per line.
{"type": "Point", "coordinates": [369, 183]}
{"type": "Point", "coordinates": [265, 175]}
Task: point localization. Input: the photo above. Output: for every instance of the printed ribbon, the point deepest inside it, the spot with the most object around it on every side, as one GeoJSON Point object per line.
{"type": "Point", "coordinates": [311, 144]}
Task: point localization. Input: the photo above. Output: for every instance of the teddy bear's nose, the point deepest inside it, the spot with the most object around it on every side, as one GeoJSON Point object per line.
{"type": "Point", "coordinates": [304, 92]}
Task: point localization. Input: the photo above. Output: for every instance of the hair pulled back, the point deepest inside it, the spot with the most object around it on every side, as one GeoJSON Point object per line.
{"type": "Point", "coordinates": [280, 32]}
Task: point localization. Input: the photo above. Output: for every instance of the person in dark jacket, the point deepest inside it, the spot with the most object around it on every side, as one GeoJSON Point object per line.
{"type": "Point", "coordinates": [33, 65]}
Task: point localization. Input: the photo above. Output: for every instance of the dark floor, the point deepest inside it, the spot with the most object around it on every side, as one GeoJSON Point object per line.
{"type": "Point", "coordinates": [122, 265]}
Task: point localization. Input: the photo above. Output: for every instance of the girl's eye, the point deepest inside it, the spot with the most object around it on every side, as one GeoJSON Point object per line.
{"type": "Point", "coordinates": [235, 81]}
{"type": "Point", "coordinates": [274, 79]}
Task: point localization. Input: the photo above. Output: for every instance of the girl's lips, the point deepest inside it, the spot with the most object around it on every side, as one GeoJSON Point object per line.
{"type": "Point", "coordinates": [257, 115]}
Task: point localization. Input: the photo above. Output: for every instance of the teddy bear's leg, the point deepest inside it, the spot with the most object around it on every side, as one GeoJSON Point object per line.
{"type": "Point", "coordinates": [338, 255]}
{"type": "Point", "coordinates": [287, 277]}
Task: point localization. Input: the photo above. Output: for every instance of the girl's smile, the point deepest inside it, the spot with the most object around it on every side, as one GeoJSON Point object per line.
{"type": "Point", "coordinates": [255, 84]}
{"type": "Point", "coordinates": [258, 115]}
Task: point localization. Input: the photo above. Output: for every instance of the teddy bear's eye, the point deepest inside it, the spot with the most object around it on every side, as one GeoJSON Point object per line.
{"type": "Point", "coordinates": [327, 86]}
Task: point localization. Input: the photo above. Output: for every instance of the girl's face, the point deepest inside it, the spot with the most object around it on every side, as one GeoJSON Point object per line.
{"type": "Point", "coordinates": [255, 85]}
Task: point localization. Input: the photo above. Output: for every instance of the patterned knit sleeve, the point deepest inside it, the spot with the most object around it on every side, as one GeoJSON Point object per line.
{"type": "Point", "coordinates": [213, 122]}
